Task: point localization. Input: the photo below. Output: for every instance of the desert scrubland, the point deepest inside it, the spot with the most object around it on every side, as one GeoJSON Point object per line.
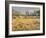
{"type": "Point", "coordinates": [25, 18]}
{"type": "Point", "coordinates": [24, 23]}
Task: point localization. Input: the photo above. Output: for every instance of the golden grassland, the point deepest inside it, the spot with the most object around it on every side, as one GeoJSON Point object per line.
{"type": "Point", "coordinates": [29, 23]}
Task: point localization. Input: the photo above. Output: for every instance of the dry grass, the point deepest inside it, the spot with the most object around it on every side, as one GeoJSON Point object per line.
{"type": "Point", "coordinates": [28, 23]}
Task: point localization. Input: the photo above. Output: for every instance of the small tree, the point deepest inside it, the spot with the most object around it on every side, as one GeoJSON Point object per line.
{"type": "Point", "coordinates": [38, 12]}
{"type": "Point", "coordinates": [27, 13]}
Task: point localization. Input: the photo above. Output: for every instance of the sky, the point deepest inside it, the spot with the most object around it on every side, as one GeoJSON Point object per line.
{"type": "Point", "coordinates": [25, 9]}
